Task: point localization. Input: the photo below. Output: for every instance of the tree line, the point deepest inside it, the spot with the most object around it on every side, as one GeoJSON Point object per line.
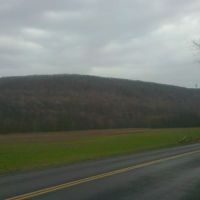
{"type": "Point", "coordinates": [75, 102]}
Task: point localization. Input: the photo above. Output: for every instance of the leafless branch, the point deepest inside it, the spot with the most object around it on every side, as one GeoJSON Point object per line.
{"type": "Point", "coordinates": [196, 44]}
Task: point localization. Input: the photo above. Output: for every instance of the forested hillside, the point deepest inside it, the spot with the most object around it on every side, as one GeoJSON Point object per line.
{"type": "Point", "coordinates": [66, 102]}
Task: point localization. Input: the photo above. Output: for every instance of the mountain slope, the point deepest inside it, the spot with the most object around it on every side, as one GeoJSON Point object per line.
{"type": "Point", "coordinates": [66, 102]}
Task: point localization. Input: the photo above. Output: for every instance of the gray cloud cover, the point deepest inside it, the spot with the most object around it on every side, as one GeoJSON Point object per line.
{"type": "Point", "coordinates": [135, 39]}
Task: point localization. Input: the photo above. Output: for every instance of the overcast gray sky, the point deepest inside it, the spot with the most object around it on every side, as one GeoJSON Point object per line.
{"type": "Point", "coordinates": [135, 39]}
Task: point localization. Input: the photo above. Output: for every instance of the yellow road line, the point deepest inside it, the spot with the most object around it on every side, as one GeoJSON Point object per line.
{"type": "Point", "coordinates": [100, 176]}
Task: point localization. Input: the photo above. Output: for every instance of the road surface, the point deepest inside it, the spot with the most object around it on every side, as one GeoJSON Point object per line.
{"type": "Point", "coordinates": [172, 173]}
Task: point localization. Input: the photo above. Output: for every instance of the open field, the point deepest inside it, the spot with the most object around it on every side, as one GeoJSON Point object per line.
{"type": "Point", "coordinates": [28, 151]}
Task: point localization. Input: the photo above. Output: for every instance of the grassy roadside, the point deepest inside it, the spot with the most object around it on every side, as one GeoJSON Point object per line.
{"type": "Point", "coordinates": [18, 152]}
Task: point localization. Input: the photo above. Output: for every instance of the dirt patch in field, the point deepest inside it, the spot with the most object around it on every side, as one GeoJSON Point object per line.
{"type": "Point", "coordinates": [64, 136]}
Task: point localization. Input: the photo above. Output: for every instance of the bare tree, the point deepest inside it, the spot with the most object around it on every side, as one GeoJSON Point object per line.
{"type": "Point", "coordinates": [196, 44]}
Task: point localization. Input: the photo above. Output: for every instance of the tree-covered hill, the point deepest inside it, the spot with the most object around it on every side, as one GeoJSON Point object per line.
{"type": "Point", "coordinates": [72, 102]}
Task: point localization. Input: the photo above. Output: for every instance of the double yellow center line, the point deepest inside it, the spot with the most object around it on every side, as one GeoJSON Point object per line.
{"type": "Point", "coordinates": [97, 177]}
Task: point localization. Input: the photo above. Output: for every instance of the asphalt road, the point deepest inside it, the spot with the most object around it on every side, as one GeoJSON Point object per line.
{"type": "Point", "coordinates": [172, 174]}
